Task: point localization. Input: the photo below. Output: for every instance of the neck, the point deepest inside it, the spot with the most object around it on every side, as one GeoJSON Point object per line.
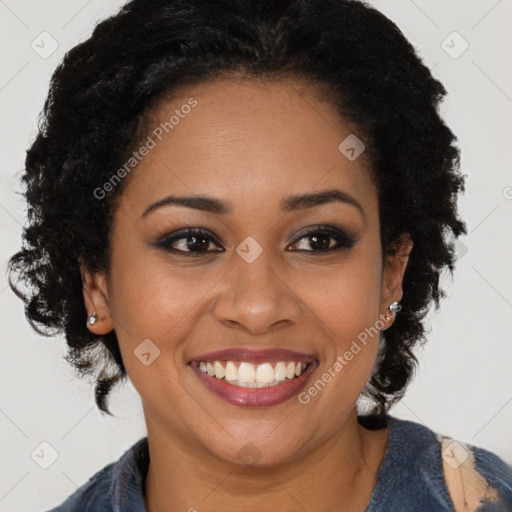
{"type": "Point", "coordinates": [338, 475]}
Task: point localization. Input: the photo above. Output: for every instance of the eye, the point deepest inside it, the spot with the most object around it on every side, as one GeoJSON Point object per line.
{"type": "Point", "coordinates": [321, 239]}
{"type": "Point", "coordinates": [199, 242]}
{"type": "Point", "coordinates": [189, 242]}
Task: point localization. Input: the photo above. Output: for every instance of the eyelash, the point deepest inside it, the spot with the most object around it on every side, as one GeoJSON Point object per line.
{"type": "Point", "coordinates": [344, 240]}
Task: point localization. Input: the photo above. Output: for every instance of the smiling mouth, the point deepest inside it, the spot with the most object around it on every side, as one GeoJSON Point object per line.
{"type": "Point", "coordinates": [249, 375]}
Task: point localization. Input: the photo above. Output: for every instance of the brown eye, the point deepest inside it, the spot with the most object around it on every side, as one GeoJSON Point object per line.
{"type": "Point", "coordinates": [189, 242]}
{"type": "Point", "coordinates": [194, 243]}
{"type": "Point", "coordinates": [321, 240]}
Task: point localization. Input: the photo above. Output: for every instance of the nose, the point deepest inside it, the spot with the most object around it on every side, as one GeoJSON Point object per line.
{"type": "Point", "coordinates": [256, 297]}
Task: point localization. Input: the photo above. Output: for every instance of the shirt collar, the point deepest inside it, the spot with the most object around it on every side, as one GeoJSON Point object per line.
{"type": "Point", "coordinates": [128, 475]}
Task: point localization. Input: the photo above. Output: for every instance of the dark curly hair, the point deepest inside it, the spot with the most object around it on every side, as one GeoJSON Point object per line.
{"type": "Point", "coordinates": [104, 88]}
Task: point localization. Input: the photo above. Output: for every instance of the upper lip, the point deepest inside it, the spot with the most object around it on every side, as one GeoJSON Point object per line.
{"type": "Point", "coordinates": [268, 355]}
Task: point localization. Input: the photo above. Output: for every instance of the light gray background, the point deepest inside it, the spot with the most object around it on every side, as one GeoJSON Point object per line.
{"type": "Point", "coordinates": [464, 386]}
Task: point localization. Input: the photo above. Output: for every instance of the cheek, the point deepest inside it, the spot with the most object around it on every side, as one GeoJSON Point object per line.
{"type": "Point", "coordinates": [155, 316]}
{"type": "Point", "coordinates": [345, 298]}
{"type": "Point", "coordinates": [347, 320]}
{"type": "Point", "coordinates": [156, 307]}
{"type": "Point", "coordinates": [345, 304]}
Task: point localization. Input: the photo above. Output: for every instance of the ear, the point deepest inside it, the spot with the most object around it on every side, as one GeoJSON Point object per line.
{"type": "Point", "coordinates": [392, 276]}
{"type": "Point", "coordinates": [95, 291]}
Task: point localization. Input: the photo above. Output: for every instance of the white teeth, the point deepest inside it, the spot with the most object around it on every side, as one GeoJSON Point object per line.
{"type": "Point", "coordinates": [280, 371]}
{"type": "Point", "coordinates": [290, 370]}
{"type": "Point", "coordinates": [264, 373]}
{"type": "Point", "coordinates": [231, 371]}
{"type": "Point", "coordinates": [246, 374]}
{"type": "Point", "coordinates": [219, 370]}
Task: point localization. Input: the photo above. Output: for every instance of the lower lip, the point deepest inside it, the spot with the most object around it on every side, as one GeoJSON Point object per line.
{"type": "Point", "coordinates": [255, 397]}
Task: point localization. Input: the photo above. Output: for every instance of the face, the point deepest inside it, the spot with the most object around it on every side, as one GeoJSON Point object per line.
{"type": "Point", "coordinates": [271, 265]}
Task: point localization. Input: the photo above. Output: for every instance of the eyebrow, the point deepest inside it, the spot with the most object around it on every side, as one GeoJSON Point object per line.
{"type": "Point", "coordinates": [288, 204]}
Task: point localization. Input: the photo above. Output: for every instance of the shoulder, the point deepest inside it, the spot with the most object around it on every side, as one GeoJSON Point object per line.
{"type": "Point", "coordinates": [455, 471]}
{"type": "Point", "coordinates": [111, 486]}
{"type": "Point", "coordinates": [475, 475]}
{"type": "Point", "coordinates": [91, 496]}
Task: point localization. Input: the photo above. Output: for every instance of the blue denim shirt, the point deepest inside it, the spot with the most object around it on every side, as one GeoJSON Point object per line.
{"type": "Point", "coordinates": [410, 477]}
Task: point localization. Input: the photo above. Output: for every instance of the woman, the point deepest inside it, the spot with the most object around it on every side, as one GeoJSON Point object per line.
{"type": "Point", "coordinates": [195, 154]}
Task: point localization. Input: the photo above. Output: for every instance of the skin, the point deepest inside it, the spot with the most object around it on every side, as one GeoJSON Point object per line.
{"type": "Point", "coordinates": [250, 144]}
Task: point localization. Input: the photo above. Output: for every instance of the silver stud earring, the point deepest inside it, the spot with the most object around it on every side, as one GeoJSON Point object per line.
{"type": "Point", "coordinates": [92, 319]}
{"type": "Point", "coordinates": [394, 307]}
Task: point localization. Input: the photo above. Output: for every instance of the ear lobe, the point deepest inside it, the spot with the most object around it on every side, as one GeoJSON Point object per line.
{"type": "Point", "coordinates": [96, 299]}
{"type": "Point", "coordinates": [394, 270]}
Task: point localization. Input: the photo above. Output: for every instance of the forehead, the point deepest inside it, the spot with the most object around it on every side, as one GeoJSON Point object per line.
{"type": "Point", "coordinates": [250, 142]}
